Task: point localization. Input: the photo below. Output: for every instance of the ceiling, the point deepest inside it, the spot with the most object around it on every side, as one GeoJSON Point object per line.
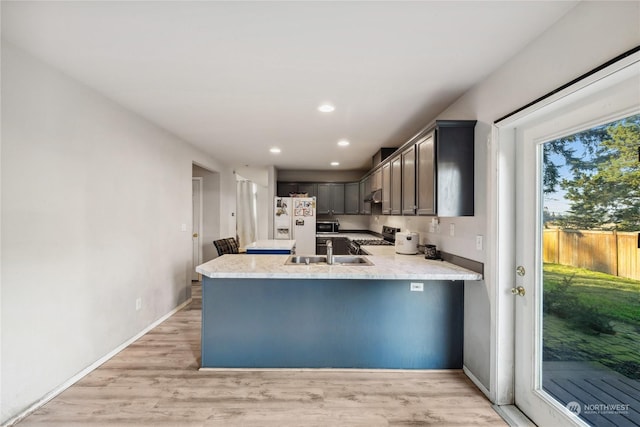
{"type": "Point", "coordinates": [237, 78]}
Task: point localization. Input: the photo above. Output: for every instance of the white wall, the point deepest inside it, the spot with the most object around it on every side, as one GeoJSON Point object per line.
{"type": "Point", "coordinates": [351, 222]}
{"type": "Point", "coordinates": [587, 36]}
{"type": "Point", "coordinates": [93, 199]}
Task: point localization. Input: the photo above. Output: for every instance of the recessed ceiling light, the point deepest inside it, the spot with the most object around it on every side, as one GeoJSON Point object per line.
{"type": "Point", "coordinates": [275, 150]}
{"type": "Point", "coordinates": [343, 143]}
{"type": "Point", "coordinates": [335, 163]}
{"type": "Point", "coordinates": [326, 108]}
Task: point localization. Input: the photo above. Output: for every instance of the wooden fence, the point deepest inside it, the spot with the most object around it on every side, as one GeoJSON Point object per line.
{"type": "Point", "coordinates": [610, 252]}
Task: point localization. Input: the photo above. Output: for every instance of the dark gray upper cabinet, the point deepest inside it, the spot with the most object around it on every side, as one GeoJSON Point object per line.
{"type": "Point", "coordinates": [376, 180]}
{"type": "Point", "coordinates": [352, 198]}
{"type": "Point", "coordinates": [286, 188]}
{"type": "Point", "coordinates": [386, 188]}
{"type": "Point", "coordinates": [365, 190]}
{"type": "Point", "coordinates": [426, 175]}
{"type": "Point", "coordinates": [396, 185]}
{"type": "Point", "coordinates": [455, 167]}
{"type": "Point", "coordinates": [433, 174]}
{"type": "Point", "coordinates": [409, 181]}
{"type": "Point", "coordinates": [309, 188]}
{"type": "Point", "coordinates": [330, 199]}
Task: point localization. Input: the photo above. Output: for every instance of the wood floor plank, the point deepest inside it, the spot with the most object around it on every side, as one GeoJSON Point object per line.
{"type": "Point", "coordinates": [156, 381]}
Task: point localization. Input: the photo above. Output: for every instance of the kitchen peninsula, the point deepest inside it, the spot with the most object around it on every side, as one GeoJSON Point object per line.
{"type": "Point", "coordinates": [402, 312]}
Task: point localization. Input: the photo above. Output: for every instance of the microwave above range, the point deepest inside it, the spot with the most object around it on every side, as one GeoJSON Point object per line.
{"type": "Point", "coordinates": [327, 226]}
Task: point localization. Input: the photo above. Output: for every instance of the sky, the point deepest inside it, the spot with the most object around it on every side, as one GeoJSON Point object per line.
{"type": "Point", "coordinates": [556, 202]}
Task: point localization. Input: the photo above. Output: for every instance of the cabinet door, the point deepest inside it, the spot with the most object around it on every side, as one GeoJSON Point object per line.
{"type": "Point", "coordinates": [361, 198]}
{"type": "Point", "coordinates": [352, 198]}
{"type": "Point", "coordinates": [284, 188]}
{"type": "Point", "coordinates": [455, 162]}
{"type": "Point", "coordinates": [409, 181]}
{"type": "Point", "coordinates": [321, 245]}
{"type": "Point", "coordinates": [330, 199]}
{"type": "Point", "coordinates": [425, 176]}
{"type": "Point", "coordinates": [340, 246]}
{"type": "Point", "coordinates": [396, 186]}
{"type": "Point", "coordinates": [386, 189]}
{"type": "Point", "coordinates": [307, 187]}
{"type": "Point", "coordinates": [365, 190]}
{"type": "Point", "coordinates": [323, 202]}
{"type": "Point", "coordinates": [337, 195]}
{"type": "Point", "coordinates": [376, 181]}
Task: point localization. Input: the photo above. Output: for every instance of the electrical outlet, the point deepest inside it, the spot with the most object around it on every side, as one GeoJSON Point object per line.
{"type": "Point", "coordinates": [452, 230]}
{"type": "Point", "coordinates": [478, 242]}
{"type": "Point", "coordinates": [417, 287]}
{"type": "Point", "coordinates": [138, 303]}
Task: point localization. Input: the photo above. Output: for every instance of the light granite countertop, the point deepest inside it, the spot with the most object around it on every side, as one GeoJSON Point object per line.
{"type": "Point", "coordinates": [387, 265]}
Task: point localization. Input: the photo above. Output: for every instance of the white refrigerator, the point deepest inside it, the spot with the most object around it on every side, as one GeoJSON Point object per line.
{"type": "Point", "coordinates": [295, 219]}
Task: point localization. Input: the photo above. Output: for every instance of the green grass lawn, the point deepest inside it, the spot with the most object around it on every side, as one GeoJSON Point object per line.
{"type": "Point", "coordinates": [614, 297]}
{"type": "Point", "coordinates": [613, 300]}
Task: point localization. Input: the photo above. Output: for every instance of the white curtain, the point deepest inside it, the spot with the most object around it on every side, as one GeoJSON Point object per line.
{"type": "Point", "coordinates": [246, 204]}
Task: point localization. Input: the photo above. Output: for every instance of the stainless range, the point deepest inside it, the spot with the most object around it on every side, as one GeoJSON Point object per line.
{"type": "Point", "coordinates": [388, 239]}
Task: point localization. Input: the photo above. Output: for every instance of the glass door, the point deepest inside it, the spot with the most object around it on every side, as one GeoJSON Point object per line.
{"type": "Point", "coordinates": [576, 281]}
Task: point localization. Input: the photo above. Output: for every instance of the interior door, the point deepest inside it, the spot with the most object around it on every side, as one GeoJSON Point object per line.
{"type": "Point", "coordinates": [196, 234]}
{"type": "Point", "coordinates": [612, 96]}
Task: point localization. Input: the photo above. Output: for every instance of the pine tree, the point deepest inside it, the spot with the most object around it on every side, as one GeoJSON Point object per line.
{"type": "Point", "coordinates": [604, 187]}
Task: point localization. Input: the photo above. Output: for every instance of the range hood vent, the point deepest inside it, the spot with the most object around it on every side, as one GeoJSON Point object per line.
{"type": "Point", "coordinates": [374, 197]}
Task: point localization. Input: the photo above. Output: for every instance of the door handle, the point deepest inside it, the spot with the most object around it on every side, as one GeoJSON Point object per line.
{"type": "Point", "coordinates": [518, 291]}
{"type": "Point", "coordinates": [195, 234]}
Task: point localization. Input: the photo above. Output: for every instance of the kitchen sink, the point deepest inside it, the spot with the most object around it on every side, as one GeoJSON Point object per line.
{"type": "Point", "coordinates": [351, 259]}
{"type": "Point", "coordinates": [337, 260]}
{"type": "Point", "coordinates": [296, 259]}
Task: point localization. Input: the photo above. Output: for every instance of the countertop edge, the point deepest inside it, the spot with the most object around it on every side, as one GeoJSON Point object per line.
{"type": "Point", "coordinates": [274, 270]}
{"type": "Point", "coordinates": [332, 276]}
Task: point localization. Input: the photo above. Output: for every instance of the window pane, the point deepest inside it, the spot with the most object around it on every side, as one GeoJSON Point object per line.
{"type": "Point", "coordinates": [591, 272]}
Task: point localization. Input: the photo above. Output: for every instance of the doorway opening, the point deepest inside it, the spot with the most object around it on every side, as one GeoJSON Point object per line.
{"type": "Point", "coordinates": [565, 198]}
{"type": "Point", "coordinates": [205, 215]}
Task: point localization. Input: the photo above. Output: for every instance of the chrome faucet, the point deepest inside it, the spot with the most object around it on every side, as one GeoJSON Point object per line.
{"type": "Point", "coordinates": [329, 252]}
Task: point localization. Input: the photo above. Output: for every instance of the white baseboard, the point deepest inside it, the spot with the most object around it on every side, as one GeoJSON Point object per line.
{"type": "Point", "coordinates": [477, 382]}
{"type": "Point", "coordinates": [71, 381]}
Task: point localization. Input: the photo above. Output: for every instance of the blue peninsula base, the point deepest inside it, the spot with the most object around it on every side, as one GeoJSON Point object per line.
{"type": "Point", "coordinates": [336, 323]}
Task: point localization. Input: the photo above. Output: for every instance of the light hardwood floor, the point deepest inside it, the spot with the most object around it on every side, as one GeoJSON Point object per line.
{"type": "Point", "coordinates": [156, 381]}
